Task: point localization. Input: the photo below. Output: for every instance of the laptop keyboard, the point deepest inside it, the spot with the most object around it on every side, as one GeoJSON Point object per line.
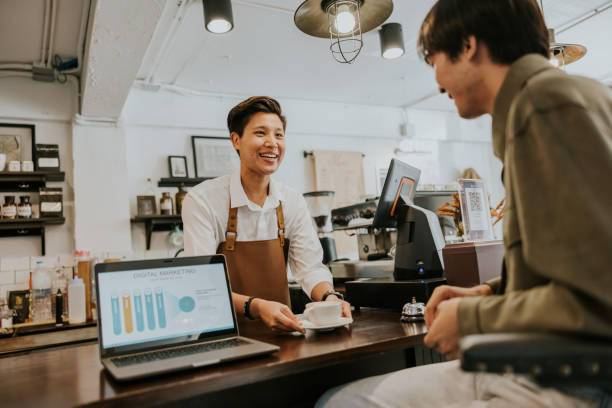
{"type": "Point", "coordinates": [176, 352]}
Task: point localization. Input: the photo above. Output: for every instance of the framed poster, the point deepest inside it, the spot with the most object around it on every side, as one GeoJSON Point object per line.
{"type": "Point", "coordinates": [17, 142]}
{"type": "Point", "coordinates": [214, 156]}
{"type": "Point", "coordinates": [146, 205]}
{"type": "Point", "coordinates": [178, 166]}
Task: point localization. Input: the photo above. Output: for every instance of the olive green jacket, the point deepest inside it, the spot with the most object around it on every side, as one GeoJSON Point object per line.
{"type": "Point", "coordinates": [553, 133]}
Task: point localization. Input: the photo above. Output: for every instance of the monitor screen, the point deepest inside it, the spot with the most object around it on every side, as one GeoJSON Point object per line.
{"type": "Point", "coordinates": [402, 179]}
{"type": "Point", "coordinates": [149, 307]}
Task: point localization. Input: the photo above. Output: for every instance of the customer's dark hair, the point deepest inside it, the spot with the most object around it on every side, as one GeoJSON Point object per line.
{"type": "Point", "coordinates": [509, 28]}
{"type": "Point", "coordinates": [239, 116]}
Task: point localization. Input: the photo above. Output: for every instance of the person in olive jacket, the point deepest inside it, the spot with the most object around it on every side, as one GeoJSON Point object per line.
{"type": "Point", "coordinates": [553, 133]}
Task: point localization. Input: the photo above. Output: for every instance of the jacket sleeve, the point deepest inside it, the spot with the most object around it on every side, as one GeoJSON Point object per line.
{"type": "Point", "coordinates": [559, 162]}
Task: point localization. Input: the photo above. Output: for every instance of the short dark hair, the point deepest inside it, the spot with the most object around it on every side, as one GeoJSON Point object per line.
{"type": "Point", "coordinates": [509, 28]}
{"type": "Point", "coordinates": [239, 116]}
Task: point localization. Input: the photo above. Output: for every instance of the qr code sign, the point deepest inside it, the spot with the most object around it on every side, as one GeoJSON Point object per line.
{"type": "Point", "coordinates": [475, 201]}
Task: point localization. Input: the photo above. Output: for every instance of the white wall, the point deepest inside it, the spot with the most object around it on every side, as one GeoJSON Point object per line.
{"type": "Point", "coordinates": [159, 124]}
{"type": "Point", "coordinates": [50, 108]}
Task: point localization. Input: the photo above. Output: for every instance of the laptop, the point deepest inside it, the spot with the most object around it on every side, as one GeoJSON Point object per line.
{"type": "Point", "coordinates": [164, 315]}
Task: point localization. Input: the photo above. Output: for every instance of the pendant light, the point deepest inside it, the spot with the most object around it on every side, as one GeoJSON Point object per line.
{"type": "Point", "coordinates": [562, 54]}
{"type": "Point", "coordinates": [218, 17]}
{"type": "Point", "coordinates": [391, 40]}
{"type": "Point", "coordinates": [343, 21]}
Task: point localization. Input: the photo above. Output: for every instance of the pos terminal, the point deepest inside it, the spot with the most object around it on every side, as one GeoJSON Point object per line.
{"type": "Point", "coordinates": [418, 265]}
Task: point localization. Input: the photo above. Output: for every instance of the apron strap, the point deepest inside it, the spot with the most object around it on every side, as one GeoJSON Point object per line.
{"type": "Point", "coordinates": [281, 224]}
{"type": "Point", "coordinates": [230, 235]}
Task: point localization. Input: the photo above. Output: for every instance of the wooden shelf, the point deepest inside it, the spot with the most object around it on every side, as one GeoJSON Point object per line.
{"type": "Point", "coordinates": [176, 181]}
{"type": "Point", "coordinates": [23, 227]}
{"type": "Point", "coordinates": [29, 181]}
{"type": "Point", "coordinates": [157, 223]}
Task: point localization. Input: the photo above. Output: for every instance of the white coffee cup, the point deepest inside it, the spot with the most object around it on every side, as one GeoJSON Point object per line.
{"type": "Point", "coordinates": [27, 165]}
{"type": "Point", "coordinates": [2, 161]}
{"type": "Point", "coordinates": [14, 165]}
{"type": "Point", "coordinates": [322, 313]}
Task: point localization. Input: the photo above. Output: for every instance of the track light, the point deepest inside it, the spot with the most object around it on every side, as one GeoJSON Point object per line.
{"type": "Point", "coordinates": [218, 17]}
{"type": "Point", "coordinates": [391, 40]}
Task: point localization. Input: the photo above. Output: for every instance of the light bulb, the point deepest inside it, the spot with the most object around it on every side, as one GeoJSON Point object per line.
{"type": "Point", "coordinates": [219, 26]}
{"type": "Point", "coordinates": [393, 53]}
{"type": "Point", "coordinates": [344, 21]}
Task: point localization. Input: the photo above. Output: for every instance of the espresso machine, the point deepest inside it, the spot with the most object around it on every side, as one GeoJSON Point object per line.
{"type": "Point", "coordinates": [320, 204]}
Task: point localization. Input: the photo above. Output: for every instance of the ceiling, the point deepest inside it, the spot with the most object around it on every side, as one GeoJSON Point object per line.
{"type": "Point", "coordinates": [265, 53]}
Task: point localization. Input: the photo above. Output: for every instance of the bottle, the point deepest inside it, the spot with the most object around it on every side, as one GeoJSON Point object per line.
{"type": "Point", "coordinates": [24, 209]}
{"type": "Point", "coordinates": [165, 204]}
{"type": "Point", "coordinates": [41, 285]}
{"type": "Point", "coordinates": [178, 199]}
{"type": "Point", "coordinates": [76, 301]}
{"type": "Point", "coordinates": [59, 307]}
{"type": "Point", "coordinates": [7, 317]}
{"type": "Point", "coordinates": [9, 209]}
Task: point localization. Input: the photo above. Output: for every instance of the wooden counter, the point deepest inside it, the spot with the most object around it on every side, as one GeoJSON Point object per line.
{"type": "Point", "coordinates": [304, 367]}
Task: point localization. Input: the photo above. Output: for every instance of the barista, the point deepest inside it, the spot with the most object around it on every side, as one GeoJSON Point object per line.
{"type": "Point", "coordinates": [259, 224]}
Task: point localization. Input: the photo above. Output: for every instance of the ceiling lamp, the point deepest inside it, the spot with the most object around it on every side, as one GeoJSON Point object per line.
{"type": "Point", "coordinates": [562, 54]}
{"type": "Point", "coordinates": [343, 21]}
{"type": "Point", "coordinates": [218, 17]}
{"type": "Point", "coordinates": [391, 40]}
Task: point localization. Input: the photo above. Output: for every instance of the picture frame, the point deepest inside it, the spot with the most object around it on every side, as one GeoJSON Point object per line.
{"type": "Point", "coordinates": [17, 142]}
{"type": "Point", "coordinates": [213, 156]}
{"type": "Point", "coordinates": [177, 166]}
{"type": "Point", "coordinates": [146, 205]}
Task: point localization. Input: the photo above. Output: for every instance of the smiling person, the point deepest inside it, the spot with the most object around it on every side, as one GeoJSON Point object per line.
{"type": "Point", "coordinates": [553, 133]}
{"type": "Point", "coordinates": [259, 224]}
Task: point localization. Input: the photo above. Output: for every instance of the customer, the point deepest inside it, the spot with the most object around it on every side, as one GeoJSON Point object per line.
{"type": "Point", "coordinates": [553, 133]}
{"type": "Point", "coordinates": [258, 223]}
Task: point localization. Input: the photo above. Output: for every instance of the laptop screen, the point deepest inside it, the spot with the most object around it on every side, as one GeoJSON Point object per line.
{"type": "Point", "coordinates": [154, 306]}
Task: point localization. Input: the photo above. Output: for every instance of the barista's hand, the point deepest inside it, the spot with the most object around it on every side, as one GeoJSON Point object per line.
{"type": "Point", "coordinates": [445, 292]}
{"type": "Point", "coordinates": [276, 316]}
{"type": "Point", "coordinates": [346, 306]}
{"type": "Point", "coordinates": [444, 332]}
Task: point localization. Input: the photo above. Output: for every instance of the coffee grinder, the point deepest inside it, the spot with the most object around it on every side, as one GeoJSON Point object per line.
{"type": "Point", "coordinates": [319, 204]}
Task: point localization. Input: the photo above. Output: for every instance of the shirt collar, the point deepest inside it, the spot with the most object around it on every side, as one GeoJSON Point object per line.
{"type": "Point", "coordinates": [520, 71]}
{"type": "Point", "coordinates": [238, 197]}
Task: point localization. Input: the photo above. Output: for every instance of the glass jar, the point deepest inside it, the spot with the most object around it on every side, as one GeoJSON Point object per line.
{"type": "Point", "coordinates": [165, 204]}
{"type": "Point", "coordinates": [9, 209]}
{"type": "Point", "coordinates": [24, 209]}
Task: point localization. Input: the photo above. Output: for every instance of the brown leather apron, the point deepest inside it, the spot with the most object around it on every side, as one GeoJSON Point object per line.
{"type": "Point", "coordinates": [257, 268]}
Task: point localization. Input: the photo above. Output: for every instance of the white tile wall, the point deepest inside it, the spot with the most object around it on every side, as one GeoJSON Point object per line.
{"type": "Point", "coordinates": [22, 277]}
{"type": "Point", "coordinates": [7, 278]}
{"type": "Point", "coordinates": [13, 264]}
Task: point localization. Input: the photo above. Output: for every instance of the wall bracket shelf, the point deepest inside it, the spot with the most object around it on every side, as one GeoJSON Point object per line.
{"type": "Point", "coordinates": [23, 227]}
{"type": "Point", "coordinates": [157, 223]}
{"type": "Point", "coordinates": [27, 181]}
{"type": "Point", "coordinates": [176, 181]}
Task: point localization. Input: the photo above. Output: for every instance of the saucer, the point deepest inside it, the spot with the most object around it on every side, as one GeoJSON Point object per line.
{"type": "Point", "coordinates": [343, 321]}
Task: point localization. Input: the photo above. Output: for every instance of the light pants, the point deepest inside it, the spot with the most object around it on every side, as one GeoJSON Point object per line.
{"type": "Point", "coordinates": [446, 385]}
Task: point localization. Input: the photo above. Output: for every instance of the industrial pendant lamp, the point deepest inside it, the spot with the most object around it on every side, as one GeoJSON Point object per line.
{"type": "Point", "coordinates": [391, 40]}
{"type": "Point", "coordinates": [562, 54]}
{"type": "Point", "coordinates": [218, 17]}
{"type": "Point", "coordinates": [343, 21]}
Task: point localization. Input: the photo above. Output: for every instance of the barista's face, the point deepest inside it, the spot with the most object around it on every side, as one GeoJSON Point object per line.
{"type": "Point", "coordinates": [262, 145]}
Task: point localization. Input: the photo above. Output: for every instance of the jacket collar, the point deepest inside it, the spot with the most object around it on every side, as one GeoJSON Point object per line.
{"type": "Point", "coordinates": [238, 197]}
{"type": "Point", "coordinates": [520, 72]}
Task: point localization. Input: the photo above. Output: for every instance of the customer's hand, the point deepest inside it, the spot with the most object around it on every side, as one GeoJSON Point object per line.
{"type": "Point", "coordinates": [276, 316]}
{"type": "Point", "coordinates": [445, 292]}
{"type": "Point", "coordinates": [346, 306]}
{"type": "Point", "coordinates": [444, 332]}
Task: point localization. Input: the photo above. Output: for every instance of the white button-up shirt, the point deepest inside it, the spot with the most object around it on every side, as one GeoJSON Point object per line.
{"type": "Point", "coordinates": [206, 209]}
